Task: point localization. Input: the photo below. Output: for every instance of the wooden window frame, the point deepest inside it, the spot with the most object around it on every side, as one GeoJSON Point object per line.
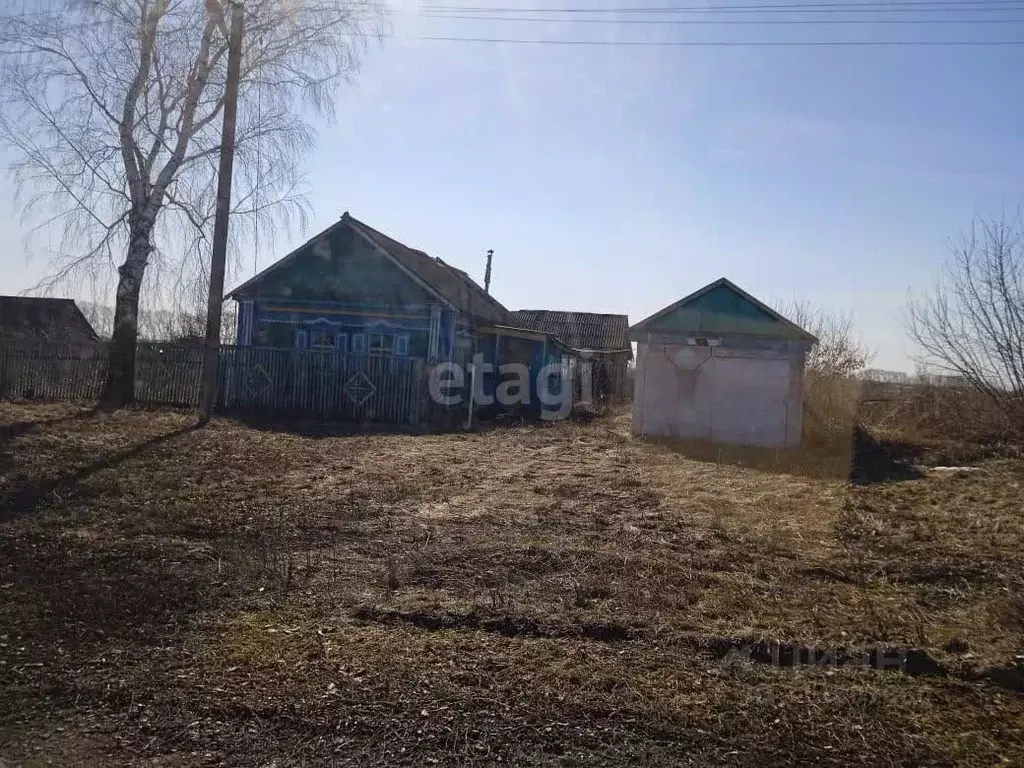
{"type": "Point", "coordinates": [386, 348]}
{"type": "Point", "coordinates": [322, 334]}
{"type": "Point", "coordinates": [402, 345]}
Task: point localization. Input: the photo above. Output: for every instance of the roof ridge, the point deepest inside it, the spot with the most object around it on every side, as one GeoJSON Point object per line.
{"type": "Point", "coordinates": [576, 312]}
{"type": "Point", "coordinates": [16, 297]}
{"type": "Point", "coordinates": [725, 282]}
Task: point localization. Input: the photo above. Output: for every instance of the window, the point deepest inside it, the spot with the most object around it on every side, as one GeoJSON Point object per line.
{"type": "Point", "coordinates": [358, 344]}
{"type": "Point", "coordinates": [382, 343]}
{"type": "Point", "coordinates": [301, 339]}
{"type": "Point", "coordinates": [322, 340]}
{"type": "Point", "coordinates": [341, 342]}
{"type": "Point", "coordinates": [402, 345]}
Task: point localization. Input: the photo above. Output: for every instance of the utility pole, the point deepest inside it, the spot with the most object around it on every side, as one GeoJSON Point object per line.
{"type": "Point", "coordinates": [218, 258]}
{"type": "Point", "coordinates": [487, 274]}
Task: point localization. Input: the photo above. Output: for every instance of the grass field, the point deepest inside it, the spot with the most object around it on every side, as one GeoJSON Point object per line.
{"type": "Point", "coordinates": [566, 595]}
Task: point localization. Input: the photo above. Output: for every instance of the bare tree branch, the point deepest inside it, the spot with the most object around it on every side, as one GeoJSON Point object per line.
{"type": "Point", "coordinates": [972, 322]}
{"type": "Point", "coordinates": [837, 354]}
{"type": "Point", "coordinates": [112, 107]}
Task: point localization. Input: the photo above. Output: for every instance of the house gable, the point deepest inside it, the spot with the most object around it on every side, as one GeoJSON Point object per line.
{"type": "Point", "coordinates": [721, 308]}
{"type": "Point", "coordinates": [338, 265]}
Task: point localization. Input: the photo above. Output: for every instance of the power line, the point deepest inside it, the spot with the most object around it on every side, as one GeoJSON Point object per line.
{"type": "Point", "coordinates": [732, 43]}
{"type": "Point", "coordinates": [708, 43]}
{"type": "Point", "coordinates": [717, 22]}
{"type": "Point", "coordinates": [896, 6]}
{"type": "Point", "coordinates": [447, 13]}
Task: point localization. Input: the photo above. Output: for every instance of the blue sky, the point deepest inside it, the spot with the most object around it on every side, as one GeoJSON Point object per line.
{"type": "Point", "coordinates": [619, 179]}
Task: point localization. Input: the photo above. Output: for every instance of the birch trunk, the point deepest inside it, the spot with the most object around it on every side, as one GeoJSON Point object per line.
{"type": "Point", "coordinates": [119, 388]}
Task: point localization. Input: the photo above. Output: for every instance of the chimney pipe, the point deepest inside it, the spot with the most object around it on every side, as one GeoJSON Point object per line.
{"type": "Point", "coordinates": [487, 274]}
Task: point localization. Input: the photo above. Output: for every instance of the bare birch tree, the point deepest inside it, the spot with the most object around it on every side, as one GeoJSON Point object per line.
{"type": "Point", "coordinates": [838, 354]}
{"type": "Point", "coordinates": [971, 324]}
{"type": "Point", "coordinates": [112, 110]}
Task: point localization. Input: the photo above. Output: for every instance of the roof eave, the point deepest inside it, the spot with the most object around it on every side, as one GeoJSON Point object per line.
{"type": "Point", "coordinates": [799, 332]}
{"type": "Point", "coordinates": [645, 335]}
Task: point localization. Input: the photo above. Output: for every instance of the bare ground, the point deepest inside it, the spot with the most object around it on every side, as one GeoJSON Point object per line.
{"type": "Point", "coordinates": [564, 595]}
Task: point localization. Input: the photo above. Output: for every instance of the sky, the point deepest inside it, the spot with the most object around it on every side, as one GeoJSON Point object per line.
{"type": "Point", "coordinates": [617, 178]}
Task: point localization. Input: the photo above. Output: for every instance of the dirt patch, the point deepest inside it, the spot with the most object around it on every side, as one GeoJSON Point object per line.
{"type": "Point", "coordinates": [565, 594]}
{"type": "Point", "coordinates": [507, 626]}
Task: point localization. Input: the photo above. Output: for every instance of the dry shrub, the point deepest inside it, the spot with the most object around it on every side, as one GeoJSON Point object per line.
{"type": "Point", "coordinates": [830, 410]}
{"type": "Point", "coordinates": [936, 411]}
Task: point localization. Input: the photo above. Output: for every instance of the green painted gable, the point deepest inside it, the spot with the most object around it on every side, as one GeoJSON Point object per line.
{"type": "Point", "coordinates": [721, 309]}
{"type": "Point", "coordinates": [341, 266]}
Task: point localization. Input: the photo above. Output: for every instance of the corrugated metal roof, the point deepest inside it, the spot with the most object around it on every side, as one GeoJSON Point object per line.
{"type": "Point", "coordinates": [29, 318]}
{"type": "Point", "coordinates": [580, 330]}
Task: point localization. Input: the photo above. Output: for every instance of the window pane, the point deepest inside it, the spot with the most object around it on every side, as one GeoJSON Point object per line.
{"type": "Point", "coordinates": [323, 340]}
{"type": "Point", "coordinates": [382, 343]}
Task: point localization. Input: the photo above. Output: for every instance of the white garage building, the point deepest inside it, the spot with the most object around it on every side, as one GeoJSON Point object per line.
{"type": "Point", "coordinates": [722, 366]}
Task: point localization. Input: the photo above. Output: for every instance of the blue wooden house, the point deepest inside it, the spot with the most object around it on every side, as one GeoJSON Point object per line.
{"type": "Point", "coordinates": [353, 291]}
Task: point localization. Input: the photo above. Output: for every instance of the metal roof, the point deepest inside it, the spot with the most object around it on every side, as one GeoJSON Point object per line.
{"type": "Point", "coordinates": [580, 330]}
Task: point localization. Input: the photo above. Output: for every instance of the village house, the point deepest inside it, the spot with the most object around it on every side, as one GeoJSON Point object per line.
{"type": "Point", "coordinates": [354, 291]}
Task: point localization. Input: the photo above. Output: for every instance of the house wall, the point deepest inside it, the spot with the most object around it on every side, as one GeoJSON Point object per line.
{"type": "Point", "coordinates": [535, 353]}
{"type": "Point", "coordinates": [341, 286]}
{"type": "Point", "coordinates": [746, 391]}
{"type": "Point", "coordinates": [609, 376]}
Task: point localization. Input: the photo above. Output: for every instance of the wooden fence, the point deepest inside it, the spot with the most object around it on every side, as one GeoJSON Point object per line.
{"type": "Point", "coordinates": [52, 372]}
{"type": "Point", "coordinates": [308, 383]}
{"type": "Point", "coordinates": [322, 384]}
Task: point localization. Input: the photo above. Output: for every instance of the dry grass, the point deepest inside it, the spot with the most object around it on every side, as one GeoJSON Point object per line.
{"type": "Point", "coordinates": [932, 412]}
{"type": "Point", "coordinates": [558, 594]}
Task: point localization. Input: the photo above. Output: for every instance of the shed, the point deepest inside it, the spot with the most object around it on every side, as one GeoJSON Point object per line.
{"type": "Point", "coordinates": [30, 319]}
{"type": "Point", "coordinates": [722, 366]}
{"type": "Point", "coordinates": [600, 338]}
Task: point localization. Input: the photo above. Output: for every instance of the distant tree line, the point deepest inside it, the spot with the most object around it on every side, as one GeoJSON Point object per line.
{"type": "Point", "coordinates": [177, 325]}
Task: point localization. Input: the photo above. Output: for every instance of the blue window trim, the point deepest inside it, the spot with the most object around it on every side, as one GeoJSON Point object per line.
{"type": "Point", "coordinates": [359, 343]}
{"type": "Point", "coordinates": [402, 345]}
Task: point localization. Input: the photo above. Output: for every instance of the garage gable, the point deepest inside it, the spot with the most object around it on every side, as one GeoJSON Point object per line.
{"type": "Point", "coordinates": [720, 308]}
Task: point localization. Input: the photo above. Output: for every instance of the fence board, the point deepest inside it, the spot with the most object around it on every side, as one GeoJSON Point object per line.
{"type": "Point", "coordinates": [321, 384]}
{"type": "Point", "coordinates": [52, 371]}
{"type": "Point", "coordinates": [309, 383]}
{"type": "Point", "coordinates": [168, 374]}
